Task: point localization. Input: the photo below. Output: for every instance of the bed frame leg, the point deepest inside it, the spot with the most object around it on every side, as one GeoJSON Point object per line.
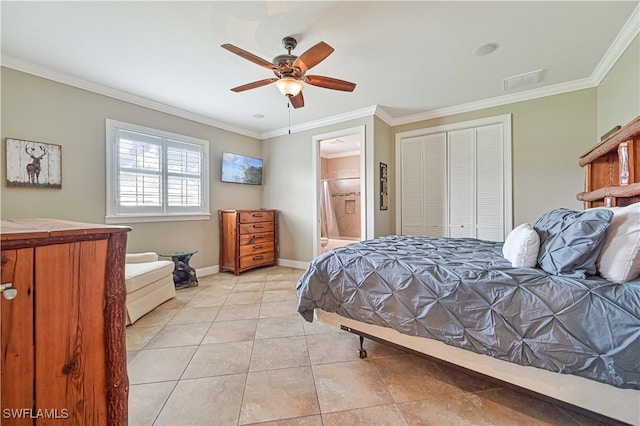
{"type": "Point", "coordinates": [362, 352]}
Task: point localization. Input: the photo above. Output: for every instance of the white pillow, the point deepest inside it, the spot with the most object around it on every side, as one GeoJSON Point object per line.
{"type": "Point", "coordinates": [619, 259]}
{"type": "Point", "coordinates": [521, 246]}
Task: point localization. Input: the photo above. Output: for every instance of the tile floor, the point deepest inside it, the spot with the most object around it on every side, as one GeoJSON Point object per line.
{"type": "Point", "coordinates": [233, 351]}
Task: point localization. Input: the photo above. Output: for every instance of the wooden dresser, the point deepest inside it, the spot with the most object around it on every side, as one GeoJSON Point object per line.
{"type": "Point", "coordinates": [64, 357]}
{"type": "Point", "coordinates": [248, 239]}
{"type": "Point", "coordinates": [613, 169]}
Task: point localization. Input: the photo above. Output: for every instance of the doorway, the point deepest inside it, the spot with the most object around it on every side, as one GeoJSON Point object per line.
{"type": "Point", "coordinates": [340, 189]}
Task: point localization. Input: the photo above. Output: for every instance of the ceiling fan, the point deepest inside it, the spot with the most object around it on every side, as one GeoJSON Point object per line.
{"type": "Point", "coordinates": [290, 70]}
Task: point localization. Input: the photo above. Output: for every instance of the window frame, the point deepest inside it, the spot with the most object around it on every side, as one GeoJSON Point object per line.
{"type": "Point", "coordinates": [119, 214]}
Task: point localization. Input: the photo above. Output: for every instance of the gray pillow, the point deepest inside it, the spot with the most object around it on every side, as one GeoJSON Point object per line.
{"type": "Point", "coordinates": [570, 241]}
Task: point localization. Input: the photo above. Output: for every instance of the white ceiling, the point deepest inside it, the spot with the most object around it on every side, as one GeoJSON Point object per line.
{"type": "Point", "coordinates": [410, 59]}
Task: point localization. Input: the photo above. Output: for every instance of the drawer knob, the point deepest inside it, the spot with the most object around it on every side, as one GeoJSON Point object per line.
{"type": "Point", "coordinates": [258, 257]}
{"type": "Point", "coordinates": [8, 291]}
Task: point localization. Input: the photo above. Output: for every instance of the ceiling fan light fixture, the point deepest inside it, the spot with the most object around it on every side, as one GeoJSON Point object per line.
{"type": "Point", "coordinates": [289, 86]}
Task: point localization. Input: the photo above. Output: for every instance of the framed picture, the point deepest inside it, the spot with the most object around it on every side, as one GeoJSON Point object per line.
{"type": "Point", "coordinates": [384, 189]}
{"type": "Point", "coordinates": [33, 164]}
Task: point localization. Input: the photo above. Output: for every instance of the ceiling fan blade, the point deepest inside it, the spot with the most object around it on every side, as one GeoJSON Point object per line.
{"type": "Point", "coordinates": [249, 56]}
{"type": "Point", "coordinates": [330, 83]}
{"type": "Point", "coordinates": [297, 101]}
{"type": "Point", "coordinates": [253, 85]}
{"type": "Point", "coordinates": [313, 56]}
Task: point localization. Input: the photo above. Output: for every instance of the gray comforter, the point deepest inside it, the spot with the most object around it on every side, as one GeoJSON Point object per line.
{"type": "Point", "coordinates": [465, 294]}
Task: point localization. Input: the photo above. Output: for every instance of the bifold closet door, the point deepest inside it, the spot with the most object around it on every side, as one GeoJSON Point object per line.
{"type": "Point", "coordinates": [476, 183]}
{"type": "Point", "coordinates": [489, 179]}
{"type": "Point", "coordinates": [453, 184]}
{"type": "Point", "coordinates": [424, 198]}
{"type": "Point", "coordinates": [412, 191]}
{"type": "Point", "coordinates": [461, 175]}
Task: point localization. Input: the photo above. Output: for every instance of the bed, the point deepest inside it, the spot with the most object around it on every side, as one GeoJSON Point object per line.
{"type": "Point", "coordinates": [562, 323]}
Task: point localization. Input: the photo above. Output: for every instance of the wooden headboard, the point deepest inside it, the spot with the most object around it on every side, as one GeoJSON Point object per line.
{"type": "Point", "coordinates": [613, 169]}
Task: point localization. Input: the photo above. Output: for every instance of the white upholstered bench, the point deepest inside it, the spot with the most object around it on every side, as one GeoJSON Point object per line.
{"type": "Point", "coordinates": [149, 283]}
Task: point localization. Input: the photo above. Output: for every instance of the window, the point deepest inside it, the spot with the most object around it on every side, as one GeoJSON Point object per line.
{"type": "Point", "coordinates": [154, 175]}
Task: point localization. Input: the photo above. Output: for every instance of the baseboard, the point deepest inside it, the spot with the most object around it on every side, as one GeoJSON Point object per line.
{"type": "Point", "coordinates": [293, 263]}
{"type": "Point", "coordinates": [210, 270]}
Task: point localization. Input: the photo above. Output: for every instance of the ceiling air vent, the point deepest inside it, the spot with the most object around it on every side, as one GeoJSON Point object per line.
{"type": "Point", "coordinates": [520, 80]}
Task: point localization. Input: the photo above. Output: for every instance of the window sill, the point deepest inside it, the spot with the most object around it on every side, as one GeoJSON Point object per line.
{"type": "Point", "coordinates": [125, 219]}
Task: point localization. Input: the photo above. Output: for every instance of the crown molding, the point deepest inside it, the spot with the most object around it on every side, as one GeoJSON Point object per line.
{"type": "Point", "coordinates": [309, 125]}
{"type": "Point", "coordinates": [383, 115]}
{"type": "Point", "coordinates": [496, 101]}
{"type": "Point", "coordinates": [49, 74]}
{"type": "Point", "coordinates": [626, 35]}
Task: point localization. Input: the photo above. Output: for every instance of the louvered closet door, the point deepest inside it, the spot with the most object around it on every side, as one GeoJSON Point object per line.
{"type": "Point", "coordinates": [412, 188]}
{"type": "Point", "coordinates": [424, 197]}
{"type": "Point", "coordinates": [461, 183]}
{"type": "Point", "coordinates": [489, 183]}
{"type": "Point", "coordinates": [453, 183]}
{"type": "Point", "coordinates": [434, 205]}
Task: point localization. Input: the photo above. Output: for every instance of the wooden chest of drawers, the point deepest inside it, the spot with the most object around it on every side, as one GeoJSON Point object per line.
{"type": "Point", "coordinates": [248, 239]}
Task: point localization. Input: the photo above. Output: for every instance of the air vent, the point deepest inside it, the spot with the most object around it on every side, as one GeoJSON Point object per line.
{"type": "Point", "coordinates": [526, 79]}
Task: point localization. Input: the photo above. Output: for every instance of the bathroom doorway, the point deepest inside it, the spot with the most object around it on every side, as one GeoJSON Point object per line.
{"type": "Point", "coordinates": [341, 196]}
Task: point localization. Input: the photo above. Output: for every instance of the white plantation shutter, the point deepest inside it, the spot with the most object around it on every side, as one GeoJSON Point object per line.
{"type": "Point", "coordinates": [139, 172]}
{"type": "Point", "coordinates": [154, 173]}
{"type": "Point", "coordinates": [184, 169]}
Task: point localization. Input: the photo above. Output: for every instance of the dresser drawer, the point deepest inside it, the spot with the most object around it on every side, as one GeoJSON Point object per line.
{"type": "Point", "coordinates": [256, 248]}
{"type": "Point", "coordinates": [252, 228]}
{"type": "Point", "coordinates": [256, 260]}
{"type": "Point", "coordinates": [256, 216]}
{"type": "Point", "coordinates": [255, 238]}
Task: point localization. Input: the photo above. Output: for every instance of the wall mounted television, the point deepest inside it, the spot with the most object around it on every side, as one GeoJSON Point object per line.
{"type": "Point", "coordinates": [238, 168]}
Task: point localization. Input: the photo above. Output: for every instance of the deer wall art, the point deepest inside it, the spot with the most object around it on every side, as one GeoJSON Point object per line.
{"type": "Point", "coordinates": [33, 164]}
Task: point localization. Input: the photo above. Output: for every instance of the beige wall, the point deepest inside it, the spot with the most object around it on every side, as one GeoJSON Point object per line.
{"type": "Point", "coordinates": [384, 152]}
{"type": "Point", "coordinates": [548, 135]}
{"type": "Point", "coordinates": [619, 91]}
{"type": "Point", "coordinates": [45, 111]}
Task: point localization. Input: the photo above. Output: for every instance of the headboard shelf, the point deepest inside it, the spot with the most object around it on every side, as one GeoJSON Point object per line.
{"type": "Point", "coordinates": [611, 143]}
{"type": "Point", "coordinates": [610, 191]}
{"type": "Point", "coordinates": [613, 169]}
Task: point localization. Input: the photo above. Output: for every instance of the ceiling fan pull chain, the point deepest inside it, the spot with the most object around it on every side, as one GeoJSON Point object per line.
{"type": "Point", "coordinates": [289, 109]}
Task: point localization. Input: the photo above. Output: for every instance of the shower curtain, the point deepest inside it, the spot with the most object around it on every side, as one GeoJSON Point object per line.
{"type": "Point", "coordinates": [328, 222]}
